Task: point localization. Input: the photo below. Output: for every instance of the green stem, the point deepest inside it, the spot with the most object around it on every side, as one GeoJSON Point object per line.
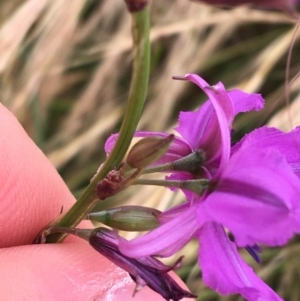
{"type": "Point", "coordinates": [134, 108]}
{"type": "Point", "coordinates": [157, 168]}
{"type": "Point", "coordinates": [198, 186]}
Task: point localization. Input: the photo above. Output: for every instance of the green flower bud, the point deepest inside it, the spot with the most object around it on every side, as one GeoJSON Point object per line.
{"type": "Point", "coordinates": [128, 218]}
{"type": "Point", "coordinates": [148, 150]}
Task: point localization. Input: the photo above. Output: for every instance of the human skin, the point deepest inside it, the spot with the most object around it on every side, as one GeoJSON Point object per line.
{"type": "Point", "coordinates": [31, 195]}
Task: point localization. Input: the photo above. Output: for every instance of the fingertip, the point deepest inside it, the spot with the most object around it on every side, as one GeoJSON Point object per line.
{"type": "Point", "coordinates": [32, 192]}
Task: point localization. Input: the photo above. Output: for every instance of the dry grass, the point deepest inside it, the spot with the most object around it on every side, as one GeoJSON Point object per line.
{"type": "Point", "coordinates": [65, 69]}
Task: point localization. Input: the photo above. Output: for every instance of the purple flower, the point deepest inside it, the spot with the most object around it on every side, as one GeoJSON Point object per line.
{"type": "Point", "coordinates": [144, 271]}
{"type": "Point", "coordinates": [256, 197]}
{"type": "Point", "coordinates": [254, 192]}
{"type": "Point", "coordinates": [204, 133]}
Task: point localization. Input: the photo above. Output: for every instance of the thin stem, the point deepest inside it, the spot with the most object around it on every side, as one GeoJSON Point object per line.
{"type": "Point", "coordinates": [137, 96]}
{"type": "Point", "coordinates": [169, 183]}
{"type": "Point", "coordinates": [191, 163]}
{"type": "Point", "coordinates": [157, 168]}
{"type": "Point", "coordinates": [198, 186]}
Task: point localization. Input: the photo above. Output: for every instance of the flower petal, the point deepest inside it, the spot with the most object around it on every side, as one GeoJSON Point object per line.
{"type": "Point", "coordinates": [225, 271]}
{"type": "Point", "coordinates": [245, 102]}
{"type": "Point", "coordinates": [288, 144]}
{"type": "Point", "coordinates": [217, 137]}
{"type": "Point", "coordinates": [173, 212]}
{"type": "Point", "coordinates": [166, 239]}
{"type": "Point", "coordinates": [257, 198]}
{"type": "Point", "coordinates": [144, 271]}
{"type": "Point", "coordinates": [193, 125]}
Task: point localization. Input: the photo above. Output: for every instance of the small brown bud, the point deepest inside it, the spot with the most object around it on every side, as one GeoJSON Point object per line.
{"type": "Point", "coordinates": [110, 185]}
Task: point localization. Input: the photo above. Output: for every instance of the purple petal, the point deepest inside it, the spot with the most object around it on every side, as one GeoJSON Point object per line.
{"type": "Point", "coordinates": [156, 265]}
{"type": "Point", "coordinates": [245, 102]}
{"type": "Point", "coordinates": [110, 143]}
{"type": "Point", "coordinates": [224, 115]}
{"type": "Point", "coordinates": [144, 271]}
{"type": "Point", "coordinates": [193, 125]}
{"type": "Point", "coordinates": [178, 148]}
{"type": "Point", "coordinates": [257, 198]}
{"type": "Point", "coordinates": [288, 144]}
{"type": "Point", "coordinates": [173, 212]}
{"type": "Point", "coordinates": [225, 271]}
{"type": "Point", "coordinates": [166, 239]}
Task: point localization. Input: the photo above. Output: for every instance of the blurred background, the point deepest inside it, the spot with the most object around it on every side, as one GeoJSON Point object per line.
{"type": "Point", "coordinates": [65, 69]}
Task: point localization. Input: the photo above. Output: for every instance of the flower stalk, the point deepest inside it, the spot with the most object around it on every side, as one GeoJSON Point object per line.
{"type": "Point", "coordinates": [198, 186]}
{"type": "Point", "coordinates": [135, 104]}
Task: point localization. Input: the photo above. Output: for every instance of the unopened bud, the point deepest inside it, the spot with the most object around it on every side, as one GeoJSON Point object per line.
{"type": "Point", "coordinates": [148, 150]}
{"type": "Point", "coordinates": [128, 218]}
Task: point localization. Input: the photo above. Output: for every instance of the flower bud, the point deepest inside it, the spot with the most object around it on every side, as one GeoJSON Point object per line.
{"type": "Point", "coordinates": [128, 218]}
{"type": "Point", "coordinates": [148, 150]}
